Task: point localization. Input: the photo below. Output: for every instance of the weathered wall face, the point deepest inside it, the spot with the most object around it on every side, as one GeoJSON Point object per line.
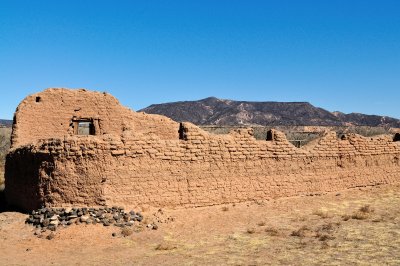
{"type": "Point", "coordinates": [135, 168]}
{"type": "Point", "coordinates": [50, 114]}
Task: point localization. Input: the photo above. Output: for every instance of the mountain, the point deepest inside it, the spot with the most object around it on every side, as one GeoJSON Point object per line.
{"type": "Point", "coordinates": [214, 111]}
{"type": "Point", "coordinates": [7, 123]}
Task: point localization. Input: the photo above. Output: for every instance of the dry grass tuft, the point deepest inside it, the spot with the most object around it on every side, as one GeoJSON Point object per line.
{"type": "Point", "coordinates": [251, 231]}
{"type": "Point", "coordinates": [323, 214]}
{"type": "Point", "coordinates": [346, 217]}
{"type": "Point", "coordinates": [262, 223]}
{"type": "Point", "coordinates": [325, 237]}
{"type": "Point", "coordinates": [363, 213]}
{"type": "Point", "coordinates": [359, 215]}
{"type": "Point", "coordinates": [225, 209]}
{"type": "Point", "coordinates": [302, 232]}
{"type": "Point", "coordinates": [126, 231]}
{"type": "Point", "coordinates": [272, 231]}
{"type": "Point", "coordinates": [138, 228]}
{"type": "Point", "coordinates": [329, 227]}
{"type": "Point", "coordinates": [367, 209]}
{"type": "Point", "coordinates": [165, 246]}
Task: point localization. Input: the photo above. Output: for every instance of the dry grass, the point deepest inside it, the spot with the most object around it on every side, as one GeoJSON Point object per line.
{"type": "Point", "coordinates": [293, 234]}
{"type": "Point", "coordinates": [359, 215]}
{"type": "Point", "coordinates": [363, 213]}
{"type": "Point", "coordinates": [301, 232]}
{"type": "Point", "coordinates": [126, 231]}
{"type": "Point", "coordinates": [323, 214]}
{"type": "Point", "coordinates": [251, 231]}
{"type": "Point", "coordinates": [367, 209]}
{"type": "Point", "coordinates": [262, 223]}
{"type": "Point", "coordinates": [165, 246]}
{"type": "Point", "coordinates": [272, 231]}
{"type": "Point", "coordinates": [5, 134]}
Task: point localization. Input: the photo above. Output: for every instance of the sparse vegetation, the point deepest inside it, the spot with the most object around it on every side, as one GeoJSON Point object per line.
{"type": "Point", "coordinates": [275, 233]}
{"type": "Point", "coordinates": [363, 213]}
{"type": "Point", "coordinates": [5, 134]}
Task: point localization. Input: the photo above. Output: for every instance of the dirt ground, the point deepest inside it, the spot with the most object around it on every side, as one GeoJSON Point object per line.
{"type": "Point", "coordinates": [353, 227]}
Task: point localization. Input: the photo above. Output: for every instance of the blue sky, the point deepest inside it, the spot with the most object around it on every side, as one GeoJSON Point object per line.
{"type": "Point", "coordinates": [339, 55]}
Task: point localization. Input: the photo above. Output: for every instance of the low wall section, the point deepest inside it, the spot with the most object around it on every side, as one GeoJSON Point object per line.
{"type": "Point", "coordinates": [198, 170]}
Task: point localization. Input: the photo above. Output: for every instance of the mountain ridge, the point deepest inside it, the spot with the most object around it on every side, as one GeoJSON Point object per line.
{"type": "Point", "coordinates": [215, 111]}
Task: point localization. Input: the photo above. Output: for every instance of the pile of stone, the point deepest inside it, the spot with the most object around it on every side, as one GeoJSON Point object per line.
{"type": "Point", "coordinates": [51, 218]}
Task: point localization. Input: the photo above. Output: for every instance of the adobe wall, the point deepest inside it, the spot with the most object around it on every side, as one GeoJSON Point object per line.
{"type": "Point", "coordinates": [135, 168]}
{"type": "Point", "coordinates": [49, 114]}
{"type": "Point", "coordinates": [202, 170]}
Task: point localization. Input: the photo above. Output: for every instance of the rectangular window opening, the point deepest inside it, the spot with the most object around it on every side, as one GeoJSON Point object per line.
{"type": "Point", "coordinates": [85, 128]}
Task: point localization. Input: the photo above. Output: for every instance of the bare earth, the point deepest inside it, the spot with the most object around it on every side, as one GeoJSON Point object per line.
{"type": "Point", "coordinates": [353, 227]}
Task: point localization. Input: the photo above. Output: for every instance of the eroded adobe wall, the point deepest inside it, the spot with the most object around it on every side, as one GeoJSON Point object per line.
{"type": "Point", "coordinates": [204, 169]}
{"type": "Point", "coordinates": [49, 114]}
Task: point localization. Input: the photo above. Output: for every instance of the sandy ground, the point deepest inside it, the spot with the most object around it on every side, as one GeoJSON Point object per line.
{"type": "Point", "coordinates": [353, 227]}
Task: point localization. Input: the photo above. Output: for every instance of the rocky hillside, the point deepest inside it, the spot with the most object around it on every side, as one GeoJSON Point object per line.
{"type": "Point", "coordinates": [214, 111]}
{"type": "Point", "coordinates": [6, 123]}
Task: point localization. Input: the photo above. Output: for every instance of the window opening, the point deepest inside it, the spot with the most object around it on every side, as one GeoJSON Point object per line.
{"type": "Point", "coordinates": [396, 137]}
{"type": "Point", "coordinates": [84, 127]}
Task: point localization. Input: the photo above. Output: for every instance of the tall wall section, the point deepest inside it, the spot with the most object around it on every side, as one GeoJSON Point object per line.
{"type": "Point", "coordinates": [50, 114]}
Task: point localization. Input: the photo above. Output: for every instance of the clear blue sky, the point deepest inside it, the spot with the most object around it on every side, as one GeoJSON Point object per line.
{"type": "Point", "coordinates": [338, 54]}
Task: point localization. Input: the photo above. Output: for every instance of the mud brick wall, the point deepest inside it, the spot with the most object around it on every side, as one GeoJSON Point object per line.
{"type": "Point", "coordinates": [49, 114]}
{"type": "Point", "coordinates": [136, 166]}
{"type": "Point", "coordinates": [204, 169]}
